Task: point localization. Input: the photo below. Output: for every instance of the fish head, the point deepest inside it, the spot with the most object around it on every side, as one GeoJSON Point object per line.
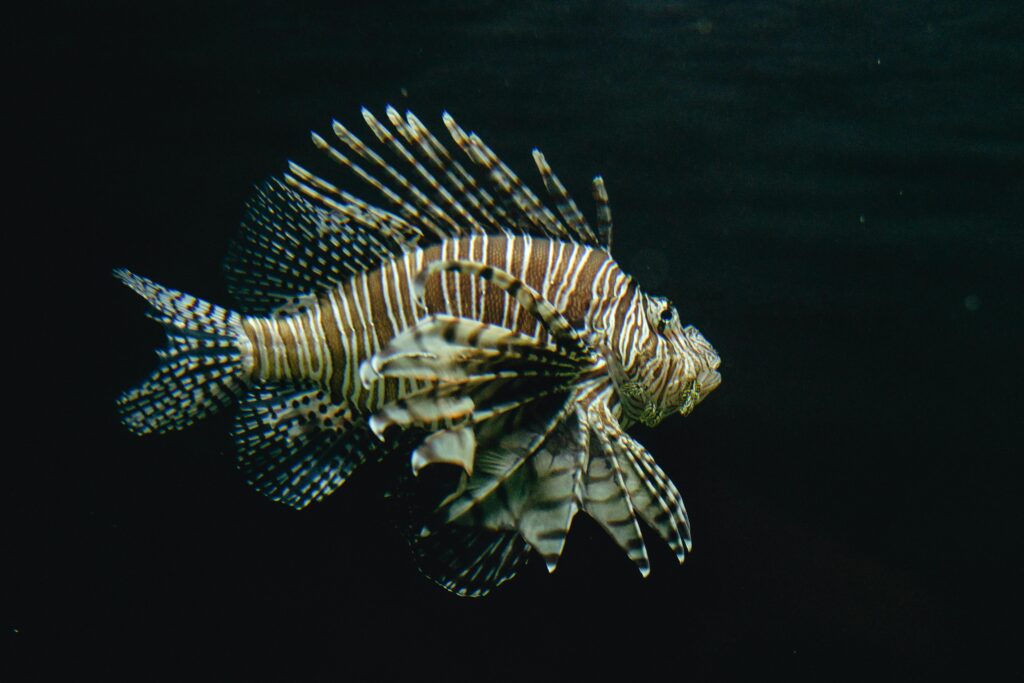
{"type": "Point", "coordinates": [672, 371]}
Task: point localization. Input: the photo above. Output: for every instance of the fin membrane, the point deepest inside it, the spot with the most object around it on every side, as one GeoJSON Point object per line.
{"type": "Point", "coordinates": [529, 480]}
{"type": "Point", "coordinates": [467, 561]}
{"type": "Point", "coordinates": [449, 446]}
{"type": "Point", "coordinates": [472, 372]}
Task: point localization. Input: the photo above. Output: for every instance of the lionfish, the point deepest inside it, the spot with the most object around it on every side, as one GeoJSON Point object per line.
{"type": "Point", "coordinates": [467, 324]}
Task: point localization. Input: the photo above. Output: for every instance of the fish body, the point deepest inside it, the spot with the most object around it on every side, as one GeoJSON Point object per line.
{"type": "Point", "coordinates": [495, 335]}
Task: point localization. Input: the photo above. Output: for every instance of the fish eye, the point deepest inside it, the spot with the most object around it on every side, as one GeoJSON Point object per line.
{"type": "Point", "coordinates": [665, 317]}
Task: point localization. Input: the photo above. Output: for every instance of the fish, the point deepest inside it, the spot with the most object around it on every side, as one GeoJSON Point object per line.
{"type": "Point", "coordinates": [460, 324]}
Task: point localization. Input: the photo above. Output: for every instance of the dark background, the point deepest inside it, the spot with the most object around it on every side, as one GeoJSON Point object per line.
{"type": "Point", "coordinates": [830, 191]}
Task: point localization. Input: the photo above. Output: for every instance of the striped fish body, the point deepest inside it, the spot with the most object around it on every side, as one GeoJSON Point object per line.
{"type": "Point", "coordinates": [468, 326]}
{"type": "Point", "coordinates": [327, 341]}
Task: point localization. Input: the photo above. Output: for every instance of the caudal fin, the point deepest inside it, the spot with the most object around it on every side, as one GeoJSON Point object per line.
{"type": "Point", "coordinates": [203, 369]}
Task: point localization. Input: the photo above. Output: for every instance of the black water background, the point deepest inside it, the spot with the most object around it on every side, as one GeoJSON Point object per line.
{"type": "Point", "coordinates": [830, 191]}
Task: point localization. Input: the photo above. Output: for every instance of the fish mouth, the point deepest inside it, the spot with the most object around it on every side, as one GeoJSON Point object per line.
{"type": "Point", "coordinates": [698, 390]}
{"type": "Point", "coordinates": [691, 397]}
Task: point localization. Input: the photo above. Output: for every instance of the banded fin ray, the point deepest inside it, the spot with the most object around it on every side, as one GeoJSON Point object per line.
{"type": "Point", "coordinates": [444, 348]}
{"type": "Point", "coordinates": [451, 351]}
{"type": "Point", "coordinates": [479, 373]}
{"type": "Point", "coordinates": [295, 446]}
{"type": "Point", "coordinates": [540, 498]}
{"type": "Point", "coordinates": [607, 501]}
{"type": "Point", "coordinates": [454, 202]}
{"type": "Point", "coordinates": [527, 477]}
{"type": "Point", "coordinates": [463, 222]}
{"type": "Point", "coordinates": [496, 467]}
{"type": "Point", "coordinates": [531, 301]}
{"type": "Point", "coordinates": [604, 213]}
{"type": "Point", "coordinates": [566, 206]}
{"type": "Point", "coordinates": [447, 185]}
{"type": "Point", "coordinates": [438, 407]}
{"type": "Point", "coordinates": [409, 200]}
{"type": "Point", "coordinates": [459, 180]}
{"type": "Point", "coordinates": [533, 216]}
{"type": "Point", "coordinates": [654, 498]}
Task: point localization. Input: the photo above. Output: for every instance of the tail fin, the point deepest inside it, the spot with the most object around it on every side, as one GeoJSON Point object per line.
{"type": "Point", "coordinates": [203, 368]}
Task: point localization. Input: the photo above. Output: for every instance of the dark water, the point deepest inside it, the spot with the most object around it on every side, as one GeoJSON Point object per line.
{"type": "Point", "coordinates": [831, 191]}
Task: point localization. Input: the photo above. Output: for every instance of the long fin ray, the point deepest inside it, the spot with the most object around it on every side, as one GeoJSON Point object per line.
{"type": "Point", "coordinates": [564, 203]}
{"type": "Point", "coordinates": [447, 186]}
{"type": "Point", "coordinates": [607, 501]}
{"type": "Point", "coordinates": [604, 214]}
{"type": "Point", "coordinates": [531, 301]}
{"type": "Point", "coordinates": [653, 496]}
{"type": "Point", "coordinates": [454, 202]}
{"type": "Point", "coordinates": [451, 349]}
{"type": "Point", "coordinates": [484, 486]}
{"type": "Point", "coordinates": [541, 499]}
{"type": "Point", "coordinates": [665, 512]}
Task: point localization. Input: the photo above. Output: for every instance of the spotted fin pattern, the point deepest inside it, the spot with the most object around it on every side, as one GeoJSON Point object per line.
{"type": "Point", "coordinates": [295, 446]}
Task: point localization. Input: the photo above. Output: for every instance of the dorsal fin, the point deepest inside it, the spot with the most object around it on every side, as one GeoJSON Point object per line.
{"type": "Point", "coordinates": [434, 194]}
{"type": "Point", "coordinates": [301, 234]}
{"type": "Point", "coordinates": [290, 246]}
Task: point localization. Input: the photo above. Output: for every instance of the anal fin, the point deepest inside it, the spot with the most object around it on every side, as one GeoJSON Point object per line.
{"type": "Point", "coordinates": [296, 446]}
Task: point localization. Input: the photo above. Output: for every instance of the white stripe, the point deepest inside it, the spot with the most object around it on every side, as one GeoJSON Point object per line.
{"type": "Point", "coordinates": [319, 343]}
{"type": "Point", "coordinates": [349, 387]}
{"type": "Point", "coordinates": [506, 299]}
